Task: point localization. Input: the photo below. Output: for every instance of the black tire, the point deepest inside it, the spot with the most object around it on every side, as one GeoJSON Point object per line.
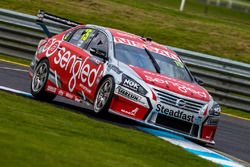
{"type": "Point", "coordinates": [104, 96]}
{"type": "Point", "coordinates": [39, 80]}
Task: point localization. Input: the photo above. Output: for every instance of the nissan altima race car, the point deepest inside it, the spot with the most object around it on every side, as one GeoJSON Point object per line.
{"type": "Point", "coordinates": [123, 74]}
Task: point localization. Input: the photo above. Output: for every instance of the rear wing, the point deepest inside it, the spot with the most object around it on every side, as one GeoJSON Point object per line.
{"type": "Point", "coordinates": [41, 15]}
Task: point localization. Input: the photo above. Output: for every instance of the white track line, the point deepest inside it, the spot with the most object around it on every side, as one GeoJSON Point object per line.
{"type": "Point", "coordinates": [15, 91]}
{"type": "Point", "coordinates": [193, 148]}
{"type": "Point", "coordinates": [14, 69]}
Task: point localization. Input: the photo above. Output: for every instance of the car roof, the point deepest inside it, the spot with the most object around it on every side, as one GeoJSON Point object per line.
{"type": "Point", "coordinates": [138, 41]}
{"type": "Point", "coordinates": [132, 39]}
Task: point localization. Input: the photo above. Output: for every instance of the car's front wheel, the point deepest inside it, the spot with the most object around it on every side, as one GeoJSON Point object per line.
{"type": "Point", "coordinates": [104, 96]}
{"type": "Point", "coordinates": [39, 81]}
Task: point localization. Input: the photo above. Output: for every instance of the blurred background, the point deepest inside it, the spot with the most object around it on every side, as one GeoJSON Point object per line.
{"type": "Point", "coordinates": [216, 27]}
{"type": "Point", "coordinates": [240, 5]}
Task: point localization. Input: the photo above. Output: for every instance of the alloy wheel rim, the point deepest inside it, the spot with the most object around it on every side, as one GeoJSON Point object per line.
{"type": "Point", "coordinates": [39, 77]}
{"type": "Point", "coordinates": [102, 95]}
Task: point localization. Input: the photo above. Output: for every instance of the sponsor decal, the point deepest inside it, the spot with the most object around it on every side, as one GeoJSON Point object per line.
{"type": "Point", "coordinates": [173, 113]}
{"type": "Point", "coordinates": [123, 106]}
{"type": "Point", "coordinates": [60, 93]}
{"type": "Point", "coordinates": [51, 89]}
{"type": "Point", "coordinates": [51, 48]}
{"type": "Point", "coordinates": [54, 78]}
{"type": "Point", "coordinates": [168, 81]}
{"type": "Point", "coordinates": [128, 94]}
{"type": "Point", "coordinates": [129, 83]}
{"type": "Point", "coordinates": [150, 48]}
{"type": "Point", "coordinates": [41, 45]}
{"type": "Point", "coordinates": [85, 88]}
{"type": "Point", "coordinates": [81, 96]}
{"type": "Point", "coordinates": [132, 113]}
{"type": "Point", "coordinates": [127, 35]}
{"type": "Point", "coordinates": [78, 68]}
{"type": "Point", "coordinates": [69, 95]}
{"type": "Point", "coordinates": [132, 85]}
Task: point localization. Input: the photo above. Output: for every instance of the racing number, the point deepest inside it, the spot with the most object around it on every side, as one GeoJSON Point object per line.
{"type": "Point", "coordinates": [86, 34]}
{"type": "Point", "coordinates": [81, 37]}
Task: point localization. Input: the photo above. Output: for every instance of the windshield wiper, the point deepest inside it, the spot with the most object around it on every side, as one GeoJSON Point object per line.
{"type": "Point", "coordinates": [156, 65]}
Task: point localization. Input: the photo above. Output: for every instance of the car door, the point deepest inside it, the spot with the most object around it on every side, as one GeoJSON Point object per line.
{"type": "Point", "coordinates": [70, 57]}
{"type": "Point", "coordinates": [96, 64]}
{"type": "Point", "coordinates": [82, 70]}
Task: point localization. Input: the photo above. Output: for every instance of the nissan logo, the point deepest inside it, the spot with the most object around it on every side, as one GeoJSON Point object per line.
{"type": "Point", "coordinates": [180, 103]}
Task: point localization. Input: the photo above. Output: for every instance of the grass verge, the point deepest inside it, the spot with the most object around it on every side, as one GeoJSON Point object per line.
{"type": "Point", "coordinates": [15, 59]}
{"type": "Point", "coordinates": [222, 32]}
{"type": "Point", "coordinates": [236, 112]}
{"type": "Point", "coordinates": [33, 133]}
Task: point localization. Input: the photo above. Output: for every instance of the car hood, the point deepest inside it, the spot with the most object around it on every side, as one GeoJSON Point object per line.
{"type": "Point", "coordinates": [174, 85]}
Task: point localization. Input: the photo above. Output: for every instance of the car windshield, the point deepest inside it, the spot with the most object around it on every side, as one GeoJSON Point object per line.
{"type": "Point", "coordinates": [140, 58]}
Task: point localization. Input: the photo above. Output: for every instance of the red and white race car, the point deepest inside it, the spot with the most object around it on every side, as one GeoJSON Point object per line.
{"type": "Point", "coordinates": [124, 74]}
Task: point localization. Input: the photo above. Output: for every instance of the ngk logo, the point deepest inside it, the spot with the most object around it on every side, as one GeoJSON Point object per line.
{"type": "Point", "coordinates": [131, 84]}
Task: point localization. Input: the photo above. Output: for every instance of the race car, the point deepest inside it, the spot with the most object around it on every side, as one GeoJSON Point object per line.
{"type": "Point", "coordinates": [123, 74]}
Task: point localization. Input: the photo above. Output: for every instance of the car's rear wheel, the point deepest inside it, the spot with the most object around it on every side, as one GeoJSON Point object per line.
{"type": "Point", "coordinates": [104, 96]}
{"type": "Point", "coordinates": [39, 80]}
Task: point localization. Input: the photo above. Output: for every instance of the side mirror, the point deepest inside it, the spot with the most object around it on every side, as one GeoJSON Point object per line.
{"type": "Point", "coordinates": [99, 53]}
{"type": "Point", "coordinates": [199, 81]}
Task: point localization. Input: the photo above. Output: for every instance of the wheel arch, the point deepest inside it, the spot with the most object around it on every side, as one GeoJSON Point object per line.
{"type": "Point", "coordinates": [41, 59]}
{"type": "Point", "coordinates": [42, 94]}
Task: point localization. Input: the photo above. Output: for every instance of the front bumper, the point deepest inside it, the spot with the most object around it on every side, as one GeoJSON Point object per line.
{"type": "Point", "coordinates": [201, 132]}
{"type": "Point", "coordinates": [146, 114]}
{"type": "Point", "coordinates": [145, 123]}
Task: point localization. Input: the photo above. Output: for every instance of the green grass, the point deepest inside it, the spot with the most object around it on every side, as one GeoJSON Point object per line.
{"type": "Point", "coordinates": [240, 113]}
{"type": "Point", "coordinates": [33, 133]}
{"type": "Point", "coordinates": [220, 32]}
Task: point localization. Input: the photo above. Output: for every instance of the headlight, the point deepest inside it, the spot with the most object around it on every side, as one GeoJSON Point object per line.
{"type": "Point", "coordinates": [132, 85]}
{"type": "Point", "coordinates": [215, 110]}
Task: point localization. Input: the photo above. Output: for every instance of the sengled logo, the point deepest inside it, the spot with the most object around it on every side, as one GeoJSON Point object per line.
{"type": "Point", "coordinates": [131, 84]}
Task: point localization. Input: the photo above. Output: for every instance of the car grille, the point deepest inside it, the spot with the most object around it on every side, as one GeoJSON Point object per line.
{"type": "Point", "coordinates": [170, 99]}
{"type": "Point", "coordinates": [177, 125]}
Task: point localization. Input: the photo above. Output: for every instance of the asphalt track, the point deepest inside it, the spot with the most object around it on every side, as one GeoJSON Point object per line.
{"type": "Point", "coordinates": [232, 137]}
